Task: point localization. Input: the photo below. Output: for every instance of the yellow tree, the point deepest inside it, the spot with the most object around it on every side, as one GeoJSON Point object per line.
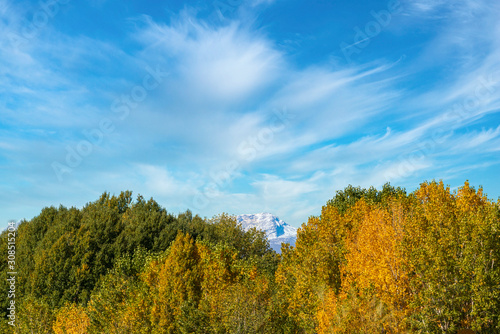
{"type": "Point", "coordinates": [119, 306]}
{"type": "Point", "coordinates": [173, 284]}
{"type": "Point", "coordinates": [453, 244]}
{"type": "Point", "coordinates": [235, 293]}
{"type": "Point", "coordinates": [218, 273]}
{"type": "Point", "coordinates": [353, 313]}
{"type": "Point", "coordinates": [374, 290]}
{"type": "Point", "coordinates": [71, 319]}
{"type": "Point", "coordinates": [311, 269]}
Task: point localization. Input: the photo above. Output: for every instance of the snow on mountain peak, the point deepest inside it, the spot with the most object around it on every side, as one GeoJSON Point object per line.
{"type": "Point", "coordinates": [277, 231]}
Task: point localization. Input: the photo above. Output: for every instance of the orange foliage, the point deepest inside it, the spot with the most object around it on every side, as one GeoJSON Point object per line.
{"type": "Point", "coordinates": [374, 291]}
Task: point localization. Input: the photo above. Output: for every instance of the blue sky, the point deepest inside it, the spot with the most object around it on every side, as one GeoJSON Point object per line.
{"type": "Point", "coordinates": [244, 106]}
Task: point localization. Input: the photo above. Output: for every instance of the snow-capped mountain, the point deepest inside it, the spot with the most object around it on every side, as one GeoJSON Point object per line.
{"type": "Point", "coordinates": [277, 231]}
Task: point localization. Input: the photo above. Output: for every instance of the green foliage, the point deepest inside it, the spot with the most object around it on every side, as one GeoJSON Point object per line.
{"type": "Point", "coordinates": [344, 199]}
{"type": "Point", "coordinates": [34, 316]}
{"type": "Point", "coordinates": [120, 299]}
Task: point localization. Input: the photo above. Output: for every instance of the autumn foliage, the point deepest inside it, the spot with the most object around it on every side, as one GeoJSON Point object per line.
{"type": "Point", "coordinates": [374, 261]}
{"type": "Point", "coordinates": [420, 263]}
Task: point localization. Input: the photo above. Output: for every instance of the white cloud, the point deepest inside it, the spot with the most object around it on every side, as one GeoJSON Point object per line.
{"type": "Point", "coordinates": [426, 6]}
{"type": "Point", "coordinates": [225, 63]}
{"type": "Point", "coordinates": [482, 141]}
{"type": "Point", "coordinates": [272, 186]}
{"type": "Point", "coordinates": [161, 182]}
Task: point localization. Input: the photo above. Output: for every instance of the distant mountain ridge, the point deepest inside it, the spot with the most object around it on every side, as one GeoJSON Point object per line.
{"type": "Point", "coordinates": [277, 231]}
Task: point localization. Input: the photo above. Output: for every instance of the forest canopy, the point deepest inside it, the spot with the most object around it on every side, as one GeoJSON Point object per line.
{"type": "Point", "coordinates": [373, 261]}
